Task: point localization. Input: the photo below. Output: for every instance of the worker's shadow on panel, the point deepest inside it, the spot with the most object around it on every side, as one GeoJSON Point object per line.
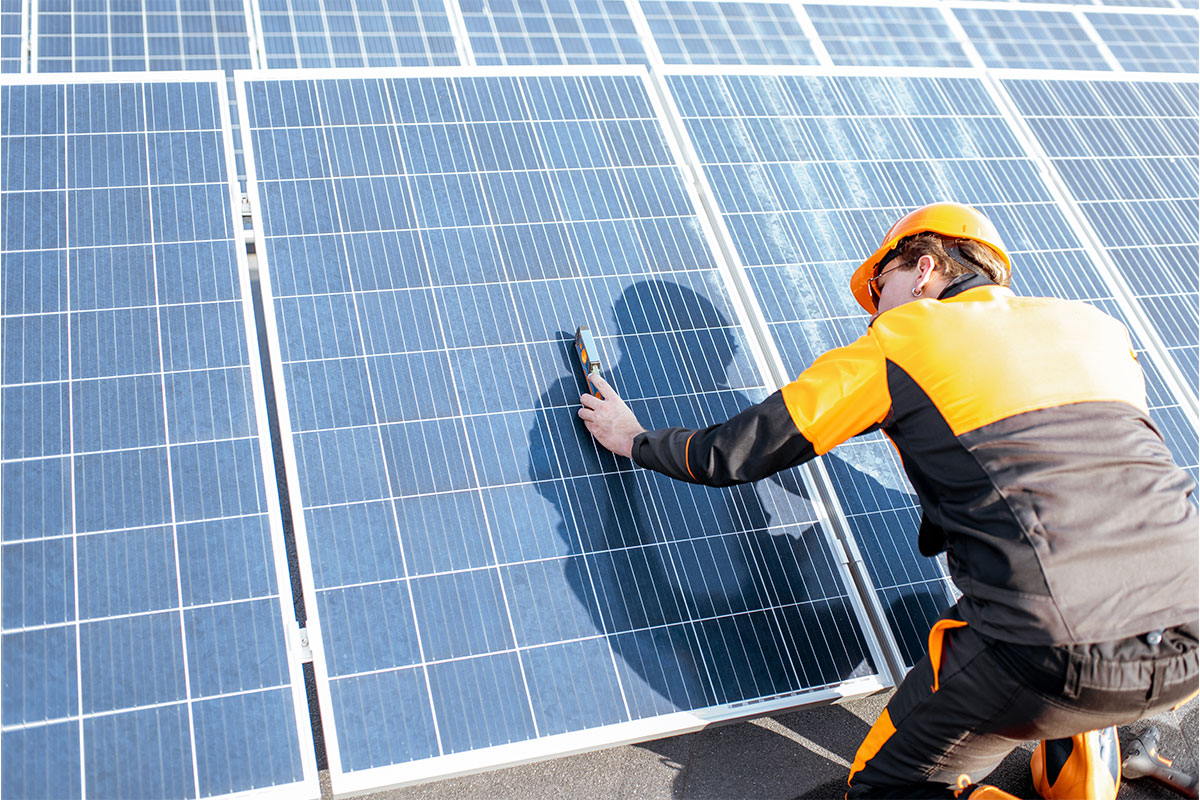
{"type": "Point", "coordinates": [707, 597]}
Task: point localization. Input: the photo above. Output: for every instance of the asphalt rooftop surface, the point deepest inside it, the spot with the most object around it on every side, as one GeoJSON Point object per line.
{"type": "Point", "coordinates": [802, 754]}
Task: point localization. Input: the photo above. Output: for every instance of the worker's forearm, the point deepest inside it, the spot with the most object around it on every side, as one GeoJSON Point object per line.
{"type": "Point", "coordinates": [758, 442]}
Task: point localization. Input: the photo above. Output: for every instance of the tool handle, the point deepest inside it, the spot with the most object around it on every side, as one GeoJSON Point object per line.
{"type": "Point", "coordinates": [1174, 779]}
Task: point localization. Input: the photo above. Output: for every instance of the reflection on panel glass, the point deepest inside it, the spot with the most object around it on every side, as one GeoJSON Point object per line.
{"type": "Point", "coordinates": [518, 32]}
{"type": "Point", "coordinates": [808, 173]}
{"type": "Point", "coordinates": [1151, 42]}
{"type": "Point", "coordinates": [356, 33]}
{"type": "Point", "coordinates": [887, 36]}
{"type": "Point", "coordinates": [1030, 39]}
{"type": "Point", "coordinates": [691, 32]}
{"type": "Point", "coordinates": [432, 245]}
{"type": "Point", "coordinates": [141, 620]}
{"type": "Point", "coordinates": [111, 35]}
{"type": "Point", "coordinates": [1129, 154]}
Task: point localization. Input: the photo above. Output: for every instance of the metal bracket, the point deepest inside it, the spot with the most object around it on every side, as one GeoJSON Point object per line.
{"type": "Point", "coordinates": [245, 205]}
{"type": "Point", "coordinates": [303, 646]}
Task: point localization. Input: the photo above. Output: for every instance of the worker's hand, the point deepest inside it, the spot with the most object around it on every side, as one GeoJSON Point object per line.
{"type": "Point", "coordinates": [609, 419]}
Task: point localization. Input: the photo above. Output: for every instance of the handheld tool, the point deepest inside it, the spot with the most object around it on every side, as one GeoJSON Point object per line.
{"type": "Point", "coordinates": [1142, 760]}
{"type": "Point", "coordinates": [589, 356]}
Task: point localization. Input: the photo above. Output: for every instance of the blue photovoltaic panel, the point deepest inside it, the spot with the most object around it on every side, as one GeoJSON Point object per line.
{"type": "Point", "coordinates": [356, 33]}
{"type": "Point", "coordinates": [808, 173]}
{"type": "Point", "coordinates": [887, 36]}
{"type": "Point", "coordinates": [1148, 3]}
{"type": "Point", "coordinates": [10, 35]}
{"type": "Point", "coordinates": [142, 639]}
{"type": "Point", "coordinates": [689, 32]}
{"type": "Point", "coordinates": [552, 32]}
{"type": "Point", "coordinates": [1030, 39]}
{"type": "Point", "coordinates": [1128, 152]}
{"type": "Point", "coordinates": [484, 573]}
{"type": "Point", "coordinates": [132, 35]}
{"type": "Point", "coordinates": [1151, 42]}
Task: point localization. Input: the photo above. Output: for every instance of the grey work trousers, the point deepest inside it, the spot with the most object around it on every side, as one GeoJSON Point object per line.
{"type": "Point", "coordinates": [992, 696]}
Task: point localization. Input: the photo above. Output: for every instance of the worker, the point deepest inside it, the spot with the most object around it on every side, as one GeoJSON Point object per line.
{"type": "Point", "coordinates": [1022, 424]}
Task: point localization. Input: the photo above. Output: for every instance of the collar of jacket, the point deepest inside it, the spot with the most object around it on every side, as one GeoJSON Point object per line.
{"type": "Point", "coordinates": [970, 280]}
{"type": "Point", "coordinates": [963, 282]}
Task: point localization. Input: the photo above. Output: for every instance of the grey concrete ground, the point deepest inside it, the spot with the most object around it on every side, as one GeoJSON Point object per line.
{"type": "Point", "coordinates": [804, 754]}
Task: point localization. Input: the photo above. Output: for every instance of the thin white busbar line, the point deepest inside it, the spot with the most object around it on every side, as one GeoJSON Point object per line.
{"type": "Point", "coordinates": [89, 715]}
{"type": "Point", "coordinates": [164, 445]}
{"type": "Point", "coordinates": [78, 620]}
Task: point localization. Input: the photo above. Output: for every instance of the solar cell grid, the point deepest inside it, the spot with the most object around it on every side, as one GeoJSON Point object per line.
{"type": "Point", "coordinates": [518, 32]}
{"type": "Point", "coordinates": [10, 35]}
{"type": "Point", "coordinates": [1128, 154]}
{"type": "Point", "coordinates": [356, 33]}
{"type": "Point", "coordinates": [688, 32]}
{"type": "Point", "coordinates": [158, 35]}
{"type": "Point", "coordinates": [476, 559]}
{"type": "Point", "coordinates": [1030, 39]}
{"type": "Point", "coordinates": [142, 628]}
{"type": "Point", "coordinates": [1151, 42]}
{"type": "Point", "coordinates": [807, 171]}
{"type": "Point", "coordinates": [901, 36]}
{"type": "Point", "coordinates": [1148, 3]}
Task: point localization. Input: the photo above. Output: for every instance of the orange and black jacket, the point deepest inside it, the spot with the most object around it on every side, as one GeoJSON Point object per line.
{"type": "Point", "coordinates": [1023, 427]}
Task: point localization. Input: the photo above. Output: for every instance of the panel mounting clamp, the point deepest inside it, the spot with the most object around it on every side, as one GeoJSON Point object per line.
{"type": "Point", "coordinates": [303, 646]}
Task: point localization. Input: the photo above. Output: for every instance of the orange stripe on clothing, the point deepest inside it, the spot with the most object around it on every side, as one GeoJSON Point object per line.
{"type": "Point", "coordinates": [880, 732]}
{"type": "Point", "coordinates": [687, 446]}
{"type": "Point", "coordinates": [936, 634]}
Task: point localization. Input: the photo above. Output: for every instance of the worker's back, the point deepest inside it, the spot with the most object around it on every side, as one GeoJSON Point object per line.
{"type": "Point", "coordinates": [1022, 423]}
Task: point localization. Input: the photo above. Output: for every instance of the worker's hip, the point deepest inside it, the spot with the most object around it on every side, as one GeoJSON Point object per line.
{"type": "Point", "coordinates": [971, 700]}
{"type": "Point", "coordinates": [1149, 672]}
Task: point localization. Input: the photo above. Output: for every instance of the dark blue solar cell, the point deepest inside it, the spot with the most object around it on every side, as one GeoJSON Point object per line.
{"type": "Point", "coordinates": [259, 724]}
{"type": "Point", "coordinates": [144, 751]}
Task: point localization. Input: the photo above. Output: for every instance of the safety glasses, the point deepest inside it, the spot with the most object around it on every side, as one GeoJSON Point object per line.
{"type": "Point", "coordinates": [873, 282]}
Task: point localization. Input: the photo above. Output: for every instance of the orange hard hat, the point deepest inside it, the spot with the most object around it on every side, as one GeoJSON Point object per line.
{"type": "Point", "coordinates": [952, 220]}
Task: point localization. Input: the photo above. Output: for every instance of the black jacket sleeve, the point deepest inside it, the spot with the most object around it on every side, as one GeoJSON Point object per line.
{"type": "Point", "coordinates": [757, 442]}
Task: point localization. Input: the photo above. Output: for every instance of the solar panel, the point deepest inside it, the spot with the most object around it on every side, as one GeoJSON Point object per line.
{"type": "Point", "coordinates": [1148, 3]}
{"type": "Point", "coordinates": [695, 32]}
{"type": "Point", "coordinates": [487, 585]}
{"type": "Point", "coordinates": [1150, 42]}
{"type": "Point", "coordinates": [356, 33]}
{"type": "Point", "coordinates": [1128, 153]}
{"type": "Point", "coordinates": [517, 32]}
{"type": "Point", "coordinates": [892, 36]}
{"type": "Point", "coordinates": [111, 35]}
{"type": "Point", "coordinates": [1026, 38]}
{"type": "Point", "coordinates": [145, 586]}
{"type": "Point", "coordinates": [807, 170]}
{"type": "Point", "coordinates": [10, 35]}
